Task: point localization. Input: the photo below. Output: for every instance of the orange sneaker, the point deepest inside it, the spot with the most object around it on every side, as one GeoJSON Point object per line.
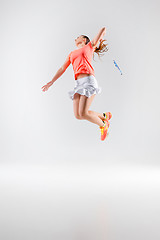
{"type": "Point", "coordinates": [107, 115]}
{"type": "Point", "coordinates": [104, 130]}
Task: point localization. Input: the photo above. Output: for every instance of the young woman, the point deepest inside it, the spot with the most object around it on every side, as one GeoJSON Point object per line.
{"type": "Point", "coordinates": [86, 85]}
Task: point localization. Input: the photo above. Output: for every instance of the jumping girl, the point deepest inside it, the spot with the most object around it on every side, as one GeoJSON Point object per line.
{"type": "Point", "coordinates": [86, 85]}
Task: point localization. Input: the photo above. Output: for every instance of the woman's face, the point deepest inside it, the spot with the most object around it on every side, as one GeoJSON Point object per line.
{"type": "Point", "coordinates": [80, 41]}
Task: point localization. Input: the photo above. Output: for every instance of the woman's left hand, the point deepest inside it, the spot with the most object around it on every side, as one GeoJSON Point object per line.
{"type": "Point", "coordinates": [45, 87]}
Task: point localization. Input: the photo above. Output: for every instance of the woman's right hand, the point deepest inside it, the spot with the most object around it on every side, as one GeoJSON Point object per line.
{"type": "Point", "coordinates": [45, 87]}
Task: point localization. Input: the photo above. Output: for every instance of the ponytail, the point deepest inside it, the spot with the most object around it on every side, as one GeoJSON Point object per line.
{"type": "Point", "coordinates": [99, 50]}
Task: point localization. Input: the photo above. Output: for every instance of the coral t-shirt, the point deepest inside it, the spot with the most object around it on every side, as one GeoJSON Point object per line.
{"type": "Point", "coordinates": [81, 60]}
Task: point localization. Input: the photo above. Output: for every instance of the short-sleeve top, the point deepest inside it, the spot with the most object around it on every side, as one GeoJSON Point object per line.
{"type": "Point", "coordinates": [81, 60]}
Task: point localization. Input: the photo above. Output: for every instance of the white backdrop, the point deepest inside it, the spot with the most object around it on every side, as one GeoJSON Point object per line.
{"type": "Point", "coordinates": [40, 136]}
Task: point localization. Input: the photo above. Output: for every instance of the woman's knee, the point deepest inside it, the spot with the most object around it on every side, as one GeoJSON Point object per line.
{"type": "Point", "coordinates": [84, 114]}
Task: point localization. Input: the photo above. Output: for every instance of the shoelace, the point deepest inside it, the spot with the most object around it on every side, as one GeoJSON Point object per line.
{"type": "Point", "coordinates": [102, 129]}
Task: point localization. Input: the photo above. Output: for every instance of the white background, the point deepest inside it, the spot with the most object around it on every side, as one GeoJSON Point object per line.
{"type": "Point", "coordinates": [55, 172]}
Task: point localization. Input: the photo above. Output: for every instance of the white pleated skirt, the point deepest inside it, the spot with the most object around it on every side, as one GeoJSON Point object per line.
{"type": "Point", "coordinates": [85, 86]}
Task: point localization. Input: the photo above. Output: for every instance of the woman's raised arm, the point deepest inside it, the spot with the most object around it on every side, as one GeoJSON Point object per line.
{"type": "Point", "coordinates": [98, 37]}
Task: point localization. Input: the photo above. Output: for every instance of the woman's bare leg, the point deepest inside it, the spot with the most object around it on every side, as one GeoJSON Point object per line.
{"type": "Point", "coordinates": [90, 116]}
{"type": "Point", "coordinates": [84, 104]}
{"type": "Point", "coordinates": [100, 115]}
